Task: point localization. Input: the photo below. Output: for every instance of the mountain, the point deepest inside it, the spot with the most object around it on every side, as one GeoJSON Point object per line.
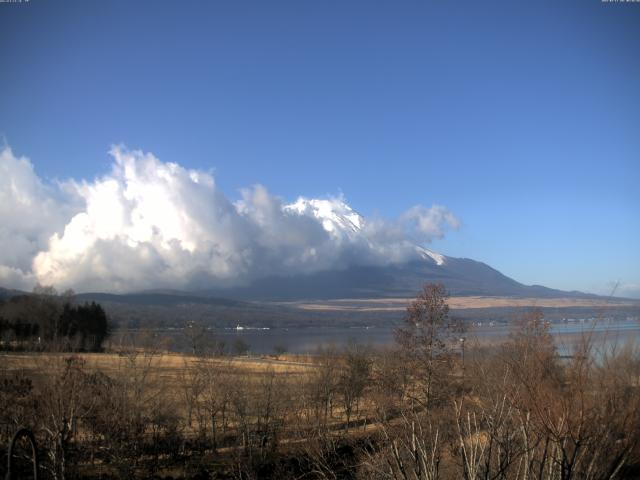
{"type": "Point", "coordinates": [461, 276]}
{"type": "Point", "coordinates": [166, 298]}
{"type": "Point", "coordinates": [6, 293]}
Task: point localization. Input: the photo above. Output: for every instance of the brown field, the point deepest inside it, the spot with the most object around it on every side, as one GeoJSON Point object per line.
{"type": "Point", "coordinates": [400, 304]}
{"type": "Point", "coordinates": [154, 414]}
{"type": "Point", "coordinates": [164, 365]}
{"type": "Point", "coordinates": [170, 375]}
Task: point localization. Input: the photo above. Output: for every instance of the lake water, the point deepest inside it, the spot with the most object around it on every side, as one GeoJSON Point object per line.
{"type": "Point", "coordinates": [605, 334]}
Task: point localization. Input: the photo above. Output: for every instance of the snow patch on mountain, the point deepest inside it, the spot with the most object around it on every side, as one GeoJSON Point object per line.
{"type": "Point", "coordinates": [429, 254]}
{"type": "Point", "coordinates": [335, 215]}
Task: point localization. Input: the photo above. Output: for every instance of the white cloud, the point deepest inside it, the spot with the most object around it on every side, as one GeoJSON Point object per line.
{"type": "Point", "coordinates": [428, 223]}
{"type": "Point", "coordinates": [30, 212]}
{"type": "Point", "coordinates": [149, 224]}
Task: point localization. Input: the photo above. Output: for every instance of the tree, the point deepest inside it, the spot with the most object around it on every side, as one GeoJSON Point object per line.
{"type": "Point", "coordinates": [54, 322]}
{"type": "Point", "coordinates": [423, 340]}
{"type": "Point", "coordinates": [322, 385]}
{"type": "Point", "coordinates": [353, 379]}
{"type": "Point", "coordinates": [279, 350]}
{"type": "Point", "coordinates": [86, 325]}
{"type": "Point", "coordinates": [62, 403]}
{"type": "Point", "coordinates": [216, 388]}
{"type": "Point", "coordinates": [240, 346]}
{"type": "Point", "coordinates": [196, 334]}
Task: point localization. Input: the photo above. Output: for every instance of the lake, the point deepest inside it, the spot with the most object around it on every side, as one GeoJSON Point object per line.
{"type": "Point", "coordinates": [606, 334]}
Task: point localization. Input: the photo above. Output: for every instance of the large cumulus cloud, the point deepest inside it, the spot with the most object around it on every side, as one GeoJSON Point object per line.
{"type": "Point", "coordinates": [150, 224]}
{"type": "Point", "coordinates": [30, 212]}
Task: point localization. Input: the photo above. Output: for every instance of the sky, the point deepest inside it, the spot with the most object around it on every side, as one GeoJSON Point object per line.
{"type": "Point", "coordinates": [512, 128]}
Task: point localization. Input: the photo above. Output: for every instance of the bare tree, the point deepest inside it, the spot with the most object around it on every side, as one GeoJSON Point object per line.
{"type": "Point", "coordinates": [217, 386]}
{"type": "Point", "coordinates": [353, 378]}
{"type": "Point", "coordinates": [196, 335]}
{"type": "Point", "coordinates": [62, 403]}
{"type": "Point", "coordinates": [424, 344]}
{"type": "Point", "coordinates": [192, 384]}
{"type": "Point", "coordinates": [322, 385]}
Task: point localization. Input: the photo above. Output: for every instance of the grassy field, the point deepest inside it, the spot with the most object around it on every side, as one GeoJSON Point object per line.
{"type": "Point", "coordinates": [400, 304]}
{"type": "Point", "coordinates": [167, 365]}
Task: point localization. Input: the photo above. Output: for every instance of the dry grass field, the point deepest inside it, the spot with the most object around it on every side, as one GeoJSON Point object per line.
{"type": "Point", "coordinates": [219, 405]}
{"type": "Point", "coordinates": [171, 415]}
{"type": "Point", "coordinates": [400, 304]}
{"type": "Point", "coordinates": [164, 365]}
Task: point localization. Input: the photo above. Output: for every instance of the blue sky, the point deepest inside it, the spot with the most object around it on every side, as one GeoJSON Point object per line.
{"type": "Point", "coordinates": [523, 118]}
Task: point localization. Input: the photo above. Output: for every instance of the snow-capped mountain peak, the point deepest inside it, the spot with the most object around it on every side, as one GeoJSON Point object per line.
{"type": "Point", "coordinates": [336, 216]}
{"type": "Point", "coordinates": [340, 220]}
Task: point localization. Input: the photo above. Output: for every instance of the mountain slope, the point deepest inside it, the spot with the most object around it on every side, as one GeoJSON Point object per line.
{"type": "Point", "coordinates": [460, 276]}
{"type": "Point", "coordinates": [171, 298]}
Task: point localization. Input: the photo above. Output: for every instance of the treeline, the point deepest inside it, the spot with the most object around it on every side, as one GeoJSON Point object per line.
{"type": "Point", "coordinates": [45, 320]}
{"type": "Point", "coordinates": [433, 407]}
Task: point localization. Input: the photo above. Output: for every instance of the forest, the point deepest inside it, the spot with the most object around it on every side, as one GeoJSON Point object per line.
{"type": "Point", "coordinates": [45, 320]}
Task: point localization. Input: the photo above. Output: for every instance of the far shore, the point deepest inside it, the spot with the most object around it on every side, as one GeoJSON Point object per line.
{"type": "Point", "coordinates": [461, 302]}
